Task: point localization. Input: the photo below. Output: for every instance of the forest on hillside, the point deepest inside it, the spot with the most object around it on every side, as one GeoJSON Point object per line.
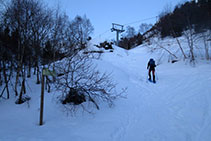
{"type": "Point", "coordinates": [190, 15]}
{"type": "Point", "coordinates": [34, 39]}
{"type": "Point", "coordinates": [194, 16]}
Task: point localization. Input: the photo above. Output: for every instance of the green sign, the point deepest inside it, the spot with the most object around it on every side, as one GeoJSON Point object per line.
{"type": "Point", "coordinates": [48, 72]}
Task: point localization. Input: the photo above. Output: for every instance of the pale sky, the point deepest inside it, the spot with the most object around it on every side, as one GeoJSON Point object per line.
{"type": "Point", "coordinates": [102, 13]}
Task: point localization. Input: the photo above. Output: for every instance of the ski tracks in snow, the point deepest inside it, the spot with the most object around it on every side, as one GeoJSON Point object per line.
{"type": "Point", "coordinates": [174, 109]}
{"type": "Point", "coordinates": [125, 124]}
{"type": "Point", "coordinates": [168, 110]}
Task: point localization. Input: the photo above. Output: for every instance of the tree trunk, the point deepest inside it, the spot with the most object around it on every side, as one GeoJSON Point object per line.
{"type": "Point", "coordinates": [181, 48]}
{"type": "Point", "coordinates": [6, 80]}
{"type": "Point", "coordinates": [35, 70]}
{"type": "Point", "coordinates": [29, 68]}
{"type": "Point", "coordinates": [177, 39]}
{"type": "Point", "coordinates": [24, 80]}
{"type": "Point", "coordinates": [206, 46]}
{"type": "Point", "coordinates": [21, 92]}
{"type": "Point", "coordinates": [16, 80]}
{"type": "Point", "coordinates": [191, 49]}
{"type": "Point", "coordinates": [0, 74]}
{"type": "Point", "coordinates": [47, 86]}
{"type": "Point", "coordinates": [38, 75]}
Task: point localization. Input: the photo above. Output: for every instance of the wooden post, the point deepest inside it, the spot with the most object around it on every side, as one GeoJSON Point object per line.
{"type": "Point", "coordinates": [42, 98]}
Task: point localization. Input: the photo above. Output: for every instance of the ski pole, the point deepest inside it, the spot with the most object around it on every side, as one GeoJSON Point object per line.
{"type": "Point", "coordinates": [156, 75]}
{"type": "Point", "coordinates": [147, 75]}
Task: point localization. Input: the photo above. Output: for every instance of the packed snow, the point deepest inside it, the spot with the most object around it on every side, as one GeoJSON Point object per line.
{"type": "Point", "coordinates": [176, 108]}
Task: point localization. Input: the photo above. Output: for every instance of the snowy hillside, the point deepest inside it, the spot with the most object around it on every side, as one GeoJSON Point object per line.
{"type": "Point", "coordinates": [176, 108]}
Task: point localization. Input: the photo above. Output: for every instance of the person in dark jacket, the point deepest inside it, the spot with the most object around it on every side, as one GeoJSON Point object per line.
{"type": "Point", "coordinates": [151, 66]}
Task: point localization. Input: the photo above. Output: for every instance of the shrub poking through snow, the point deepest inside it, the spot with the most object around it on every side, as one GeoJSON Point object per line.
{"type": "Point", "coordinates": [74, 96]}
{"type": "Point", "coordinates": [81, 83]}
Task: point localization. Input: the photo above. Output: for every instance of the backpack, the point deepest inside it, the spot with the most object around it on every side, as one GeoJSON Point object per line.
{"type": "Point", "coordinates": [152, 63]}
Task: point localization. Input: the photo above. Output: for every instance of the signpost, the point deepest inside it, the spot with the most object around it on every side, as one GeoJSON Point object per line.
{"type": "Point", "coordinates": [45, 72]}
{"type": "Point", "coordinates": [42, 98]}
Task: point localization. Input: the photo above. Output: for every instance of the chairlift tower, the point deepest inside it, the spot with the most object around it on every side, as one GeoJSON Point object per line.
{"type": "Point", "coordinates": [119, 29]}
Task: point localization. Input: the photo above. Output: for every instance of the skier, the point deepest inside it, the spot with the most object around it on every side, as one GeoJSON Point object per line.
{"type": "Point", "coordinates": [151, 66]}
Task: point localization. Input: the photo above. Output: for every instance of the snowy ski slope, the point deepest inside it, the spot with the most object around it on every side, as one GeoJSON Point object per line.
{"type": "Point", "coordinates": [176, 108]}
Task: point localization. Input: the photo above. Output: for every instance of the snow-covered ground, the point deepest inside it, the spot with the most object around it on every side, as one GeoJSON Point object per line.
{"type": "Point", "coordinates": [176, 108]}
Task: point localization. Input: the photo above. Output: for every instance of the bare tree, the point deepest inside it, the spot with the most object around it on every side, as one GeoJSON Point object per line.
{"type": "Point", "coordinates": [191, 37]}
{"type": "Point", "coordinates": [144, 27]}
{"type": "Point", "coordinates": [58, 34]}
{"type": "Point", "coordinates": [30, 22]}
{"type": "Point", "coordinates": [206, 38]}
{"type": "Point", "coordinates": [41, 27]}
{"type": "Point", "coordinates": [130, 32]}
{"type": "Point", "coordinates": [166, 10]}
{"type": "Point", "coordinates": [159, 46]}
{"type": "Point", "coordinates": [13, 17]}
{"type": "Point", "coordinates": [80, 82]}
{"type": "Point", "coordinates": [169, 25]}
{"type": "Point", "coordinates": [81, 28]}
{"type": "Point", "coordinates": [178, 41]}
{"type": "Point", "coordinates": [6, 64]}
